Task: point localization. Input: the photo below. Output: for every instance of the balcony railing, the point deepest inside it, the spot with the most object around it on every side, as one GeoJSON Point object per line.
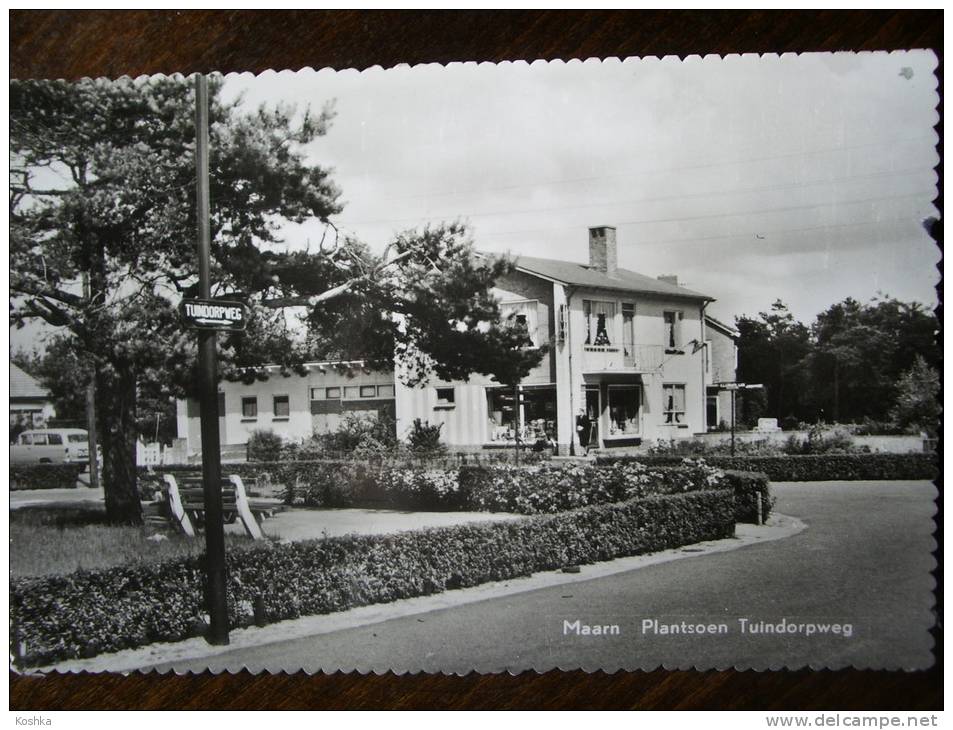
{"type": "Point", "coordinates": [619, 359]}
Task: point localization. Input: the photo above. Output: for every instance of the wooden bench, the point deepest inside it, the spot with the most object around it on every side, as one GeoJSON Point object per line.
{"type": "Point", "coordinates": [186, 504]}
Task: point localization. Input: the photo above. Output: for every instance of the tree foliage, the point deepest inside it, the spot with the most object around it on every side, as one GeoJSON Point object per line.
{"type": "Point", "coordinates": [850, 365]}
{"type": "Point", "coordinates": [102, 201]}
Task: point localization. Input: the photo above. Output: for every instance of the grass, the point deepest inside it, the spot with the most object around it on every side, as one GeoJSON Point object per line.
{"type": "Point", "coordinates": [59, 540]}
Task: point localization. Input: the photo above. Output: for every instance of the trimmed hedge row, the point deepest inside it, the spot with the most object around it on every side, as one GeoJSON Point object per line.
{"type": "Point", "coordinates": [87, 613]}
{"type": "Point", "coordinates": [809, 468]}
{"type": "Point", "coordinates": [44, 476]}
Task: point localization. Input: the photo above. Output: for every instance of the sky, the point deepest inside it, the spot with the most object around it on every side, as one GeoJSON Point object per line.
{"type": "Point", "coordinates": [801, 178]}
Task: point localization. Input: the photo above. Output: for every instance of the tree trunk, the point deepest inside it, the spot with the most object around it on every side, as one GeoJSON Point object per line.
{"type": "Point", "coordinates": [116, 411]}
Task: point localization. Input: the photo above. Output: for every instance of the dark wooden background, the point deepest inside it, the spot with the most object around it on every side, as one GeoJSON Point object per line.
{"type": "Point", "coordinates": [73, 44]}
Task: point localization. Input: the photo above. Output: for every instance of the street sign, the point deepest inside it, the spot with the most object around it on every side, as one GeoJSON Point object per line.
{"type": "Point", "coordinates": [214, 314]}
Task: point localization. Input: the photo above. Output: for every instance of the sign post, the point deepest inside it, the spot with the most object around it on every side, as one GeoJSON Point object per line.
{"type": "Point", "coordinates": [208, 383]}
{"type": "Point", "coordinates": [734, 388]}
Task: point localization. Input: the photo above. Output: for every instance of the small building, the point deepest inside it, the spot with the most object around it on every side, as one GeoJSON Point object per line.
{"type": "Point", "coordinates": [626, 361]}
{"type": "Point", "coordinates": [30, 402]}
{"type": "Point", "coordinates": [293, 406]}
{"type": "Point", "coordinates": [721, 366]}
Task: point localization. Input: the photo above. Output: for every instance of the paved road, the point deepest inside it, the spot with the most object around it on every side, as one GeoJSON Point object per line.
{"type": "Point", "coordinates": [864, 560]}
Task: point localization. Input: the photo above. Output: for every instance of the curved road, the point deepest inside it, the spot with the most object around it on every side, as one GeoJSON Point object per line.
{"type": "Point", "coordinates": [864, 560]}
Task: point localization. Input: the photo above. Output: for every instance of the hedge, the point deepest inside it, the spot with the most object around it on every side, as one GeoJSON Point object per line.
{"type": "Point", "coordinates": [86, 613]}
{"type": "Point", "coordinates": [810, 468]}
{"type": "Point", "coordinates": [44, 476]}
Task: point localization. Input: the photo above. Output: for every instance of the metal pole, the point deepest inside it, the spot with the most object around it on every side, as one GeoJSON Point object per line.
{"type": "Point", "coordinates": [517, 418]}
{"type": "Point", "coordinates": [208, 382]}
{"type": "Point", "coordinates": [733, 392]}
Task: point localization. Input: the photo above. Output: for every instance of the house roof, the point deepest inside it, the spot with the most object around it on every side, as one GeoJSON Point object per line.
{"type": "Point", "coordinates": [570, 272]}
{"type": "Point", "coordinates": [24, 385]}
{"type": "Point", "coordinates": [719, 325]}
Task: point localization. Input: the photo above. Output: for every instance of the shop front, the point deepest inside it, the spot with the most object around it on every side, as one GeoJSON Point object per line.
{"type": "Point", "coordinates": [613, 414]}
{"type": "Point", "coordinates": [528, 419]}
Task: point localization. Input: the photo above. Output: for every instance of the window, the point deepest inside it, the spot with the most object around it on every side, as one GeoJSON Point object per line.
{"type": "Point", "coordinates": [250, 407]}
{"type": "Point", "coordinates": [221, 405]}
{"type": "Point", "coordinates": [39, 439]}
{"type": "Point", "coordinates": [385, 391]}
{"type": "Point", "coordinates": [55, 439]}
{"type": "Point", "coordinates": [368, 391]}
{"type": "Point", "coordinates": [673, 321]}
{"type": "Point", "coordinates": [333, 393]}
{"type": "Point", "coordinates": [673, 403]}
{"type": "Point", "coordinates": [318, 394]}
{"type": "Point", "coordinates": [26, 439]}
{"type": "Point", "coordinates": [600, 318]}
{"type": "Point", "coordinates": [351, 392]}
{"type": "Point", "coordinates": [445, 397]}
{"type": "Point", "coordinates": [524, 316]}
{"type": "Point", "coordinates": [625, 402]}
{"type": "Point", "coordinates": [281, 406]}
{"type": "Point", "coordinates": [77, 438]}
{"type": "Point", "coordinates": [628, 329]}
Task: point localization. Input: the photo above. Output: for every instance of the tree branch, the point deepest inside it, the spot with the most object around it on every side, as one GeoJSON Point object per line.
{"type": "Point", "coordinates": [312, 300]}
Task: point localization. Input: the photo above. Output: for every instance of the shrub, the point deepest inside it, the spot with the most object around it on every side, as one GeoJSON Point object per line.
{"type": "Point", "coordinates": [44, 476]}
{"type": "Point", "coordinates": [263, 445]}
{"type": "Point", "coordinates": [425, 437]}
{"type": "Point", "coordinates": [822, 440]}
{"type": "Point", "coordinates": [812, 467]}
{"type": "Point", "coordinates": [86, 613]}
{"type": "Point", "coordinates": [354, 431]}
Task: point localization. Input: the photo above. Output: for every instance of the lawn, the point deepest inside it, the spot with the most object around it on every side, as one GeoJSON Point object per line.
{"type": "Point", "coordinates": [61, 539]}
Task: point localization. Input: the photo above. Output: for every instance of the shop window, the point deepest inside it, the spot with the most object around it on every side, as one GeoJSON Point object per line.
{"type": "Point", "coordinates": [625, 405]}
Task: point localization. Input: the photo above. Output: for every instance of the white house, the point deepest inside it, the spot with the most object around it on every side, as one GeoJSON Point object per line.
{"type": "Point", "coordinates": [631, 359]}
{"type": "Point", "coordinates": [626, 362]}
{"type": "Point", "coordinates": [30, 403]}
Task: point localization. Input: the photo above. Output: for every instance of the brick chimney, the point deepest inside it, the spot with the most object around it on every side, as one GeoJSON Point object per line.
{"type": "Point", "coordinates": [669, 279]}
{"type": "Point", "coordinates": [602, 250]}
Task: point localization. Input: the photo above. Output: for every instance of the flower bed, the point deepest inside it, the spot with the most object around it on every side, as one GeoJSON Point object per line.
{"type": "Point", "coordinates": [501, 488]}
{"type": "Point", "coordinates": [87, 613]}
{"type": "Point", "coordinates": [809, 468]}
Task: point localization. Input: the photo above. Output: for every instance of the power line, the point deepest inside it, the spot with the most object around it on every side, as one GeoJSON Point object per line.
{"type": "Point", "coordinates": [700, 166]}
{"type": "Point", "coordinates": [664, 198]}
{"type": "Point", "coordinates": [678, 219]}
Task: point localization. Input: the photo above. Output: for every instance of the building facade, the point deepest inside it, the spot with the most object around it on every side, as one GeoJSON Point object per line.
{"type": "Point", "coordinates": [625, 363]}
{"type": "Point", "coordinates": [721, 366]}
{"type": "Point", "coordinates": [293, 406]}
{"type": "Point", "coordinates": [629, 360]}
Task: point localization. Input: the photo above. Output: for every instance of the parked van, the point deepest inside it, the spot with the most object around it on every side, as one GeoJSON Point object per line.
{"type": "Point", "coordinates": [51, 446]}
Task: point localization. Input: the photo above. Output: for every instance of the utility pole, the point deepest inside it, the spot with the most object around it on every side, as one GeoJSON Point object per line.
{"type": "Point", "coordinates": [208, 382]}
